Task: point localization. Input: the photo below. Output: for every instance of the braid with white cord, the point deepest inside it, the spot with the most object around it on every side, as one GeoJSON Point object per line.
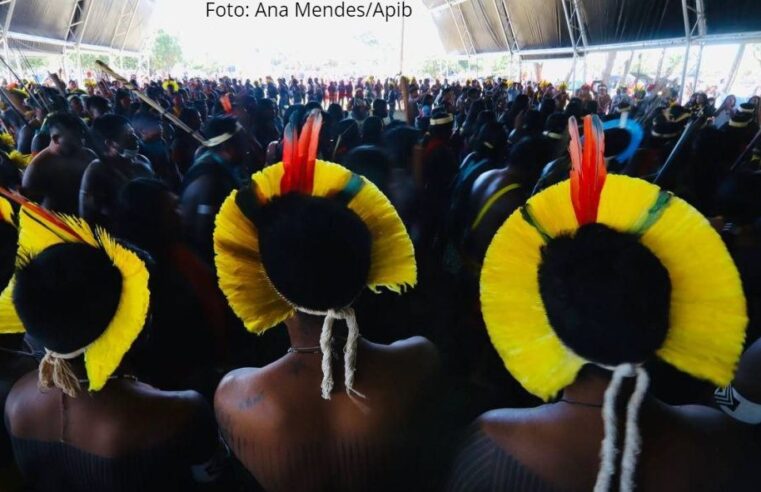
{"type": "Point", "coordinates": [632, 438]}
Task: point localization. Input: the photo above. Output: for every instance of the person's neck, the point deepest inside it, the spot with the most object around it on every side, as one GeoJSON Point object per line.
{"type": "Point", "coordinates": [304, 330]}
{"type": "Point", "coordinates": [590, 387]}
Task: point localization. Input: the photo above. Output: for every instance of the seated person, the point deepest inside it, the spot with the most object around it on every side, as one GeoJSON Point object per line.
{"type": "Point", "coordinates": [82, 422]}
{"type": "Point", "coordinates": [580, 288]}
{"type": "Point", "coordinates": [16, 358]}
{"type": "Point", "coordinates": [54, 176]}
{"type": "Point", "coordinates": [119, 163]}
{"type": "Point", "coordinates": [335, 412]}
{"type": "Point", "coordinates": [187, 302]}
{"type": "Point", "coordinates": [216, 172]}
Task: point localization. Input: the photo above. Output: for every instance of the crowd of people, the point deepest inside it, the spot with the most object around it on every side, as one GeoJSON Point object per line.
{"type": "Point", "coordinates": [456, 285]}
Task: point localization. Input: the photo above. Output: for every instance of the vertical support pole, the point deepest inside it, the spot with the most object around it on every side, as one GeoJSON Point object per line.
{"type": "Point", "coordinates": [697, 68]}
{"type": "Point", "coordinates": [688, 34]}
{"type": "Point", "coordinates": [401, 50]}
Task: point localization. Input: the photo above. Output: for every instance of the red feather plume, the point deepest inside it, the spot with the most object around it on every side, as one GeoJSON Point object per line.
{"type": "Point", "coordinates": [588, 169]}
{"type": "Point", "coordinates": [41, 214]}
{"type": "Point", "coordinates": [299, 158]}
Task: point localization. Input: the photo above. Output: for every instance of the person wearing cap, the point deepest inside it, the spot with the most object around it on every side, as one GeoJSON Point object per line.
{"type": "Point", "coordinates": [581, 289]}
{"type": "Point", "coordinates": [218, 169]}
{"type": "Point", "coordinates": [82, 421]}
{"type": "Point", "coordinates": [299, 245]}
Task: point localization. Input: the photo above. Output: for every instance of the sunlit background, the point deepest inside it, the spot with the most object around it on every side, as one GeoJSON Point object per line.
{"type": "Point", "coordinates": [183, 41]}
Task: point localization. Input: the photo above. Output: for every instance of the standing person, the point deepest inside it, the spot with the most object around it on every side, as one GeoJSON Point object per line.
{"type": "Point", "coordinates": [54, 176]}
{"type": "Point", "coordinates": [342, 94]}
{"type": "Point", "coordinates": [725, 112]}
{"type": "Point", "coordinates": [82, 422]}
{"type": "Point", "coordinates": [392, 98]}
{"type": "Point", "coordinates": [579, 290]}
{"type": "Point", "coordinates": [299, 245]}
{"type": "Point", "coordinates": [604, 101]}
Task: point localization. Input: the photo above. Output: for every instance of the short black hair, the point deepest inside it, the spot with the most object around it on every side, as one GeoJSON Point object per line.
{"type": "Point", "coordinates": [64, 121]}
{"type": "Point", "coordinates": [108, 127]}
{"type": "Point", "coordinates": [606, 295]}
{"type": "Point", "coordinates": [67, 295]}
{"type": "Point", "coordinates": [219, 125]}
{"type": "Point", "coordinates": [97, 102]}
{"type": "Point", "coordinates": [316, 251]}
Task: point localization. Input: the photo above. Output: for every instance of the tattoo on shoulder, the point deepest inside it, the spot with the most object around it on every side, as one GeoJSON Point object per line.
{"type": "Point", "coordinates": [251, 401]}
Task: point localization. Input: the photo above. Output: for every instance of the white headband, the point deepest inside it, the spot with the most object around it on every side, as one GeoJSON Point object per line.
{"type": "Point", "coordinates": [442, 121]}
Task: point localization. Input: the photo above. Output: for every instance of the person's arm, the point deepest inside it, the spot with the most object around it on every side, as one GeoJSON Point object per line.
{"type": "Point", "coordinates": [200, 203]}
{"type": "Point", "coordinates": [33, 181]}
{"type": "Point", "coordinates": [91, 196]}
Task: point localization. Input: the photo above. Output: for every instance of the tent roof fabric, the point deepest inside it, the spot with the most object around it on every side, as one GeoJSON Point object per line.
{"type": "Point", "coordinates": [49, 21]}
{"type": "Point", "coordinates": [541, 24]}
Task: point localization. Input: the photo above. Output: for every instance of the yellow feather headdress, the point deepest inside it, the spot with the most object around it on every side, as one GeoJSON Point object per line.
{"type": "Point", "coordinates": [242, 276]}
{"type": "Point", "coordinates": [40, 229]}
{"type": "Point", "coordinates": [707, 316]}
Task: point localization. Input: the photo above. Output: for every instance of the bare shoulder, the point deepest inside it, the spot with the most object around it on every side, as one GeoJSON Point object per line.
{"type": "Point", "coordinates": [418, 349]}
{"type": "Point", "coordinates": [88, 155]}
{"type": "Point", "coordinates": [485, 179]}
{"type": "Point", "coordinates": [20, 395]}
{"type": "Point", "coordinates": [509, 418]}
{"type": "Point", "coordinates": [237, 386]}
{"type": "Point", "coordinates": [42, 156]}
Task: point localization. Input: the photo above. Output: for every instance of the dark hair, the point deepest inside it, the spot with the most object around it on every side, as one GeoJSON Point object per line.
{"type": "Point", "coordinates": [315, 250]}
{"type": "Point", "coordinates": [491, 139]}
{"type": "Point", "coordinates": [616, 141]}
{"type": "Point", "coordinates": [64, 121]}
{"type": "Point", "coordinates": [107, 127]}
{"type": "Point", "coordinates": [219, 125]}
{"type": "Point", "coordinates": [67, 295]}
{"type": "Point", "coordinates": [372, 130]}
{"type": "Point", "coordinates": [607, 296]}
{"type": "Point", "coordinates": [371, 162]}
{"type": "Point", "coordinates": [97, 102]}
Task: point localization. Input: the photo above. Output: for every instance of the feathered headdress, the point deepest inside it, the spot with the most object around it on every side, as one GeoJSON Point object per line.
{"type": "Point", "coordinates": [40, 229]}
{"type": "Point", "coordinates": [707, 312]}
{"type": "Point", "coordinates": [242, 275]}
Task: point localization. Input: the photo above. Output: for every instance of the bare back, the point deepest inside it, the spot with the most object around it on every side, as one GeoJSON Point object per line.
{"type": "Point", "coordinates": [688, 448]}
{"type": "Point", "coordinates": [54, 180]}
{"type": "Point", "coordinates": [289, 438]}
{"type": "Point", "coordinates": [125, 430]}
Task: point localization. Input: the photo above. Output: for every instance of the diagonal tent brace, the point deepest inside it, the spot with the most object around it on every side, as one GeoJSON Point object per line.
{"type": "Point", "coordinates": [6, 26]}
{"type": "Point", "coordinates": [123, 28]}
{"type": "Point", "coordinates": [462, 27]}
{"type": "Point", "coordinates": [574, 19]}
{"type": "Point", "coordinates": [511, 40]}
{"type": "Point", "coordinates": [694, 30]}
